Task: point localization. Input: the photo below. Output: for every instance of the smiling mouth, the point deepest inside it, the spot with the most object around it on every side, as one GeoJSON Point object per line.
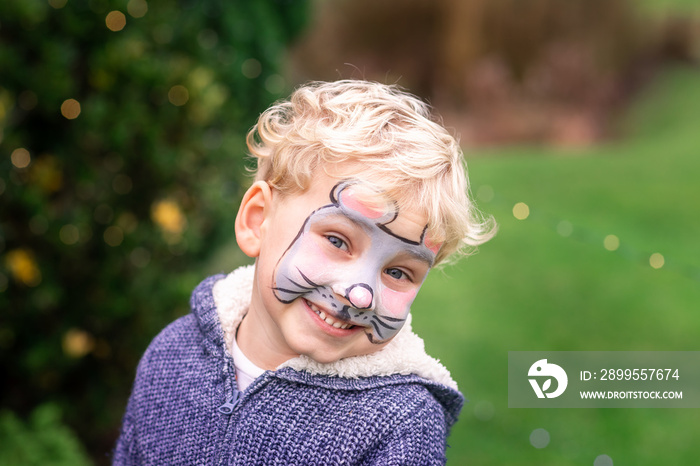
{"type": "Point", "coordinates": [328, 319]}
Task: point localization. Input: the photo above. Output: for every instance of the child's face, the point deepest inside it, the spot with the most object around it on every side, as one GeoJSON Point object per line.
{"type": "Point", "coordinates": [336, 276]}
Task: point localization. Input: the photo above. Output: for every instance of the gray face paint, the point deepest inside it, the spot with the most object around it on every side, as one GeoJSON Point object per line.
{"type": "Point", "coordinates": [306, 269]}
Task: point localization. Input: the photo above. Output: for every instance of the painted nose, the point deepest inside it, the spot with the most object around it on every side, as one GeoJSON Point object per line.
{"type": "Point", "coordinates": [360, 295]}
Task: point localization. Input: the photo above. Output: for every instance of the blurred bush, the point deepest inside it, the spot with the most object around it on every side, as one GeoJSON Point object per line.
{"type": "Point", "coordinates": [499, 71]}
{"type": "Point", "coordinates": [41, 441]}
{"type": "Point", "coordinates": [122, 130]}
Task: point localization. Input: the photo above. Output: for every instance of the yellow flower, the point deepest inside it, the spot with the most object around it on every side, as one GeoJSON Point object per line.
{"type": "Point", "coordinates": [77, 343]}
{"type": "Point", "coordinates": [23, 267]}
{"type": "Point", "coordinates": [169, 217]}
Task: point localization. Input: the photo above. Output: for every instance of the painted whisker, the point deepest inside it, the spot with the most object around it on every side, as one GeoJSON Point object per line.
{"type": "Point", "coordinates": [391, 319]}
{"type": "Point", "coordinates": [377, 330]}
{"type": "Point", "coordinates": [308, 280]}
{"type": "Point", "coordinates": [384, 324]}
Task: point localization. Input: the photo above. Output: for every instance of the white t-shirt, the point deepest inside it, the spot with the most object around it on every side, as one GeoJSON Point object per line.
{"type": "Point", "coordinates": [246, 371]}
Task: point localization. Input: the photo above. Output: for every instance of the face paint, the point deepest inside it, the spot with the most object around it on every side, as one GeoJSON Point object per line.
{"type": "Point", "coordinates": [313, 269]}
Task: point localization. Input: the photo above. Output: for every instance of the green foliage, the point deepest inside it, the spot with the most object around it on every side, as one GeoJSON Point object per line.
{"type": "Point", "coordinates": [122, 131]}
{"type": "Point", "coordinates": [42, 440]}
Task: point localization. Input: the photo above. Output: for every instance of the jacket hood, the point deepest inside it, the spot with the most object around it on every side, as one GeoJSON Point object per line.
{"type": "Point", "coordinates": [404, 354]}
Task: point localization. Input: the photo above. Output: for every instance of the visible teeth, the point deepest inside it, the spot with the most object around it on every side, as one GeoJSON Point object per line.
{"type": "Point", "coordinates": [325, 317]}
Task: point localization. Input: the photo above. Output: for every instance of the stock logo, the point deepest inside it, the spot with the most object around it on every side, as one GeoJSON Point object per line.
{"type": "Point", "coordinates": [546, 372]}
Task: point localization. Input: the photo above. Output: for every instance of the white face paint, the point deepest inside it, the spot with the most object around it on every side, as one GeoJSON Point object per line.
{"type": "Point", "coordinates": [348, 264]}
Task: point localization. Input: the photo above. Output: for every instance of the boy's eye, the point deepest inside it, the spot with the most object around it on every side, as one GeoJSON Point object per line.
{"type": "Point", "coordinates": [337, 242]}
{"type": "Point", "coordinates": [395, 273]}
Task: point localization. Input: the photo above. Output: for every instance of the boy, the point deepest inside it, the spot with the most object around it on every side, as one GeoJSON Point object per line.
{"type": "Point", "coordinates": [308, 356]}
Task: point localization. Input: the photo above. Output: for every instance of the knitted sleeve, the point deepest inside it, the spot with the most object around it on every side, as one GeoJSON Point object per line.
{"type": "Point", "coordinates": [125, 452]}
{"type": "Point", "coordinates": [419, 440]}
{"type": "Point", "coordinates": [171, 416]}
{"type": "Point", "coordinates": [122, 454]}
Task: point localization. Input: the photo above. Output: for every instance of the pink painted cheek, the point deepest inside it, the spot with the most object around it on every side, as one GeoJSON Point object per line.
{"type": "Point", "coordinates": [310, 259]}
{"type": "Point", "coordinates": [397, 303]}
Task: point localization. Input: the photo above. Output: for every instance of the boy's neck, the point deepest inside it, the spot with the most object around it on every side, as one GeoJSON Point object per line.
{"type": "Point", "coordinates": [258, 345]}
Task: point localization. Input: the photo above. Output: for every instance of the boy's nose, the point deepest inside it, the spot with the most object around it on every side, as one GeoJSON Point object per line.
{"type": "Point", "coordinates": [360, 295]}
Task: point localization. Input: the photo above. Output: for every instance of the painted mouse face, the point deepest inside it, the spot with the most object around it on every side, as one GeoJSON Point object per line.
{"type": "Point", "coordinates": [352, 269]}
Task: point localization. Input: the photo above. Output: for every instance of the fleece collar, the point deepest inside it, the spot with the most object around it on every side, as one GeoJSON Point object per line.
{"type": "Point", "coordinates": [405, 354]}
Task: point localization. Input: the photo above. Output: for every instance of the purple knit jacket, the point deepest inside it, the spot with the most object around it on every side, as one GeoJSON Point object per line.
{"type": "Point", "coordinates": [185, 409]}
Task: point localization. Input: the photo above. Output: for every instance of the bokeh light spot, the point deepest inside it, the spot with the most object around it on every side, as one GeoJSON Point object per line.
{"type": "Point", "coordinates": [23, 267]}
{"type": "Point", "coordinates": [565, 228]}
{"type": "Point", "coordinates": [275, 83]}
{"type": "Point", "coordinates": [137, 8]}
{"type": "Point", "coordinates": [521, 211]}
{"type": "Point", "coordinates": [603, 460]}
{"type": "Point", "coordinates": [539, 438]}
{"type": "Point", "coordinates": [113, 236]}
{"type": "Point", "coordinates": [169, 217]}
{"type": "Point", "coordinates": [69, 234]}
{"type": "Point", "coordinates": [611, 243]}
{"type": "Point", "coordinates": [251, 68]}
{"type": "Point", "coordinates": [656, 260]}
{"type": "Point", "coordinates": [58, 4]}
{"type": "Point", "coordinates": [77, 343]}
{"type": "Point", "coordinates": [70, 108]}
{"type": "Point", "coordinates": [115, 21]}
{"type": "Point", "coordinates": [21, 158]}
{"type": "Point", "coordinates": [207, 39]}
{"type": "Point", "coordinates": [127, 222]}
{"type": "Point", "coordinates": [178, 95]}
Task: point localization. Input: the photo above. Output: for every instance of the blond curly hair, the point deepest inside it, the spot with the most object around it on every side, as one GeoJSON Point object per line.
{"type": "Point", "coordinates": [390, 139]}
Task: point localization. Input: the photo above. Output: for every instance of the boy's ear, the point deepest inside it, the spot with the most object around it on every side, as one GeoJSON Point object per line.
{"type": "Point", "coordinates": [251, 216]}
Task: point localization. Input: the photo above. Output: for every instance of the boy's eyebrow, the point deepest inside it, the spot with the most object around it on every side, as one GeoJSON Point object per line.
{"type": "Point", "coordinates": [419, 254]}
{"type": "Point", "coordinates": [416, 251]}
{"type": "Point", "coordinates": [366, 225]}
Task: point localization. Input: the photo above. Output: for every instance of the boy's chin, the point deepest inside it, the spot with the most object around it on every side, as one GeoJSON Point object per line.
{"type": "Point", "coordinates": [330, 357]}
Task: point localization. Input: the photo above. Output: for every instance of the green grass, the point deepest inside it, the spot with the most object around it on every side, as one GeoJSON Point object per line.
{"type": "Point", "coordinates": [656, 6]}
{"type": "Point", "coordinates": [532, 288]}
